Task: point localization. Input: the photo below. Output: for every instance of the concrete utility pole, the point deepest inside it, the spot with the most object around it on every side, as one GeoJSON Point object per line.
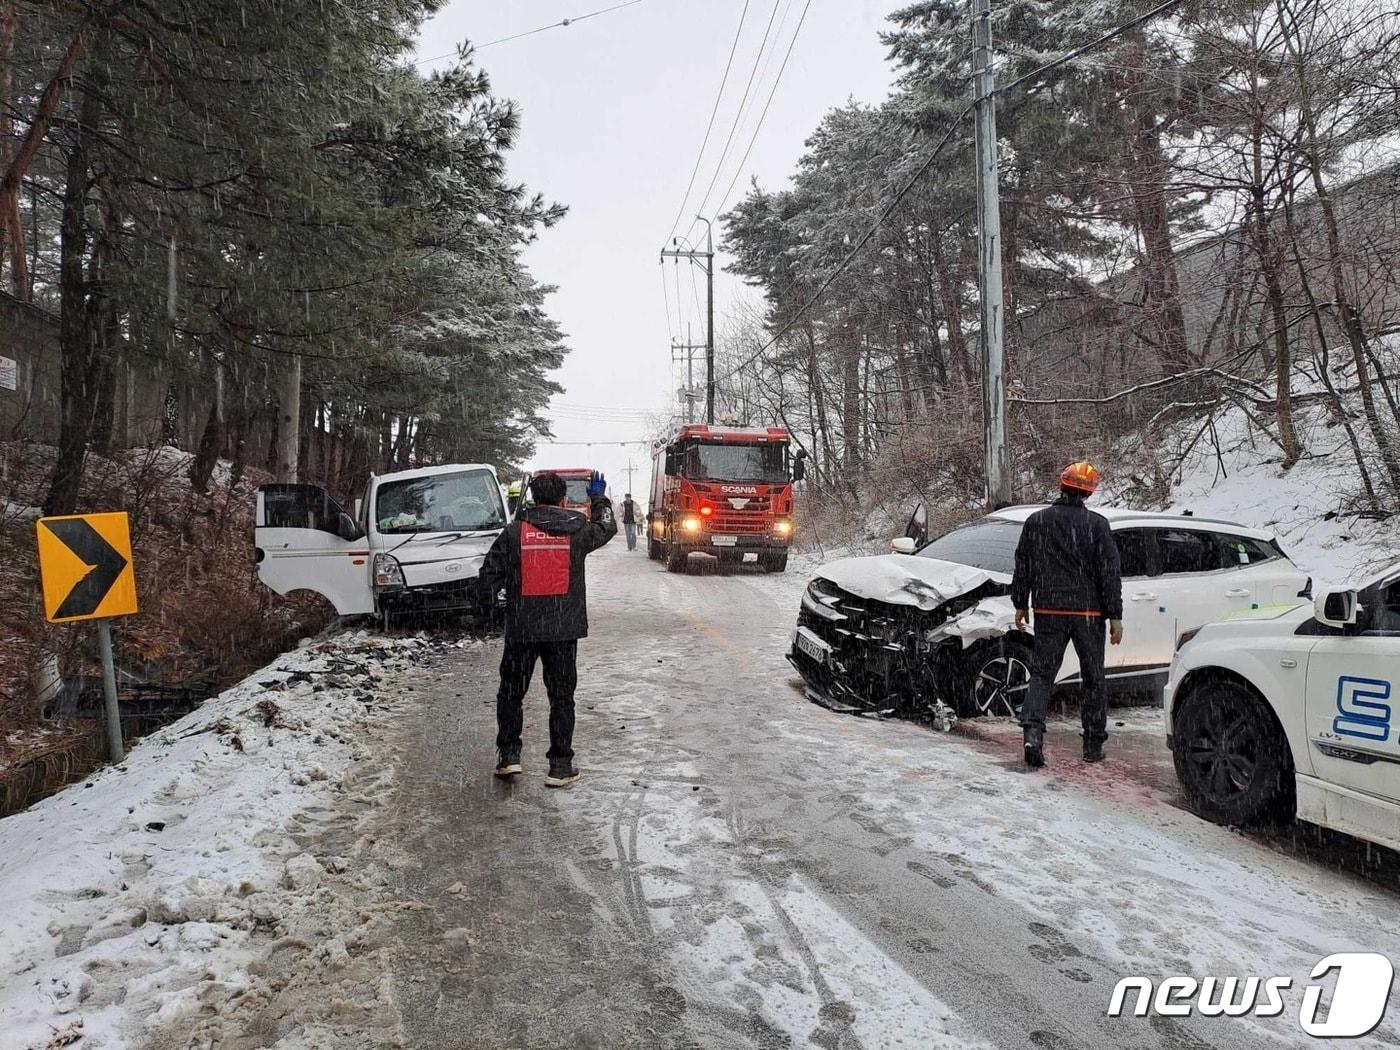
{"type": "Point", "coordinates": [689, 349]}
{"type": "Point", "coordinates": [630, 471]}
{"type": "Point", "coordinates": [989, 258]}
{"type": "Point", "coordinates": [706, 261]}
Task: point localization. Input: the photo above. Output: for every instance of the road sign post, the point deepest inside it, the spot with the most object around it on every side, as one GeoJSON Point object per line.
{"type": "Point", "coordinates": [109, 692]}
{"type": "Point", "coordinates": [85, 568]}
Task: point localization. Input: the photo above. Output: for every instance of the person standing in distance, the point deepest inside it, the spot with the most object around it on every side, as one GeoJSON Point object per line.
{"type": "Point", "coordinates": [629, 521]}
{"type": "Point", "coordinates": [1067, 569]}
{"type": "Point", "coordinates": [537, 560]}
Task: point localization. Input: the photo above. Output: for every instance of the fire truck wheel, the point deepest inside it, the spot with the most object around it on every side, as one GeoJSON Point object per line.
{"type": "Point", "coordinates": [677, 558]}
{"type": "Point", "coordinates": [653, 548]}
{"type": "Point", "coordinates": [775, 562]}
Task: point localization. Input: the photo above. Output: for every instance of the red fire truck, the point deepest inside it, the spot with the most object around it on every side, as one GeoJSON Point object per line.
{"type": "Point", "coordinates": [725, 492]}
{"type": "Point", "coordinates": [576, 480]}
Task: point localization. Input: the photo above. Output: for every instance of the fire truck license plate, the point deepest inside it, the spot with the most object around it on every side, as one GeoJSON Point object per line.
{"type": "Point", "coordinates": [811, 647]}
{"type": "Point", "coordinates": [724, 541]}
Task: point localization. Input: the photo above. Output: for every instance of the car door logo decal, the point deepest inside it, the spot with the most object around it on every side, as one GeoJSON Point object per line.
{"type": "Point", "coordinates": [1360, 714]}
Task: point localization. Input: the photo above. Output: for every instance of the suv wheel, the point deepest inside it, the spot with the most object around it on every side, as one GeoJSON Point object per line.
{"type": "Point", "coordinates": [1231, 756]}
{"type": "Point", "coordinates": [997, 675]}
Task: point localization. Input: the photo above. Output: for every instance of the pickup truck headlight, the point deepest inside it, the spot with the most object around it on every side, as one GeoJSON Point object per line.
{"type": "Point", "coordinates": [387, 572]}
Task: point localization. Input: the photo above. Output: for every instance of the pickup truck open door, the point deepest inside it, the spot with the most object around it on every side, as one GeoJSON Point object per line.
{"type": "Point", "coordinates": [306, 542]}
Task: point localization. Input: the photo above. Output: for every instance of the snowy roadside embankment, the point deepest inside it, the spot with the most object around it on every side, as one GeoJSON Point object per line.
{"type": "Point", "coordinates": [152, 894]}
{"type": "Point", "coordinates": [1226, 467]}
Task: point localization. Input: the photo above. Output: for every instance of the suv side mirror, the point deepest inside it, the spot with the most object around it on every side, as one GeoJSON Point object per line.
{"type": "Point", "coordinates": [347, 529]}
{"type": "Point", "coordinates": [1335, 608]}
{"type": "Point", "coordinates": [903, 545]}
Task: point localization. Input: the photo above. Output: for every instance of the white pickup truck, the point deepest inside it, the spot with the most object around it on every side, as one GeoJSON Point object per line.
{"type": "Point", "coordinates": [414, 545]}
{"type": "Point", "coordinates": [1297, 709]}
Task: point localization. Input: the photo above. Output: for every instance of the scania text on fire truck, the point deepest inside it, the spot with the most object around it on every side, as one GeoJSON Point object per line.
{"type": "Point", "coordinates": [726, 492]}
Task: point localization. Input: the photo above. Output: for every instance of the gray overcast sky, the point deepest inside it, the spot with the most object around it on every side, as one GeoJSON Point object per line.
{"type": "Point", "coordinates": [614, 109]}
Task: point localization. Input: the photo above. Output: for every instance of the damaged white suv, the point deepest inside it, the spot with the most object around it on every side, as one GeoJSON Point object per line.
{"type": "Point", "coordinates": [1295, 712]}
{"type": "Point", "coordinates": [899, 633]}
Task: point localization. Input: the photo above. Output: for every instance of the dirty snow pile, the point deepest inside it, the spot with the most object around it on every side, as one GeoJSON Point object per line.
{"type": "Point", "coordinates": [154, 894]}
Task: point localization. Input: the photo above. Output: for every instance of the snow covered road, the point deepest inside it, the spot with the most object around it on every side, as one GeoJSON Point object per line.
{"type": "Point", "coordinates": [738, 868]}
{"type": "Point", "coordinates": [741, 868]}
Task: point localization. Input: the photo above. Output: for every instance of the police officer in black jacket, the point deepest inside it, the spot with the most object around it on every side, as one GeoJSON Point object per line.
{"type": "Point", "coordinates": [1067, 569]}
{"type": "Point", "coordinates": [538, 561]}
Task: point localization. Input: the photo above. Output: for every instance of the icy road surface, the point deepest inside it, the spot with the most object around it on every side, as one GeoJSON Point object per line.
{"type": "Point", "coordinates": [741, 868]}
{"type": "Point", "coordinates": [321, 860]}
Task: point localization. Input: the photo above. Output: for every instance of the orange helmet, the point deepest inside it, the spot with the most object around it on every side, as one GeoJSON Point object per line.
{"type": "Point", "coordinates": [1081, 476]}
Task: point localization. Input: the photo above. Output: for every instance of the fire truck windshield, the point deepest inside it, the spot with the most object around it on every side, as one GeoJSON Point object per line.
{"type": "Point", "coordinates": [763, 463]}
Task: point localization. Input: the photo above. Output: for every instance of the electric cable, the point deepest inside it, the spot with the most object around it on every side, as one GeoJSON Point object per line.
{"type": "Point", "coordinates": [724, 81]}
{"type": "Point", "coordinates": [743, 100]}
{"type": "Point", "coordinates": [562, 23]}
{"type": "Point", "coordinates": [764, 115]}
{"type": "Point", "coordinates": [923, 169]}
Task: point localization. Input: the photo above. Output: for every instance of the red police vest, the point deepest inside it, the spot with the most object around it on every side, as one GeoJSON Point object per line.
{"type": "Point", "coordinates": [544, 562]}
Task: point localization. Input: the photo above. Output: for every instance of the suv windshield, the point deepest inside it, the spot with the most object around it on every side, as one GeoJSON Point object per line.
{"type": "Point", "coordinates": [987, 544]}
{"type": "Point", "coordinates": [766, 462]}
{"type": "Point", "coordinates": [465, 502]}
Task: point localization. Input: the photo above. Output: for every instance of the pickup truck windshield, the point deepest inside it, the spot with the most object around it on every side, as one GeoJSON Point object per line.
{"type": "Point", "coordinates": [988, 544]}
{"type": "Point", "coordinates": [465, 502]}
{"type": "Point", "coordinates": [764, 463]}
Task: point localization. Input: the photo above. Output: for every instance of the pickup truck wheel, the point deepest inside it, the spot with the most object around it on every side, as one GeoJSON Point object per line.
{"type": "Point", "coordinates": [997, 675]}
{"type": "Point", "coordinates": [677, 558]}
{"type": "Point", "coordinates": [1231, 755]}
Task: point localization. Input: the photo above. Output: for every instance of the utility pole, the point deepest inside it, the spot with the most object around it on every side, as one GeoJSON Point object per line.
{"type": "Point", "coordinates": [706, 260]}
{"type": "Point", "coordinates": [630, 471]}
{"type": "Point", "coordinates": [989, 259]}
{"type": "Point", "coordinates": [689, 349]}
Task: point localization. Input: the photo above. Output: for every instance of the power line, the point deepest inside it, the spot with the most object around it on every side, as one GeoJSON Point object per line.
{"type": "Point", "coordinates": [562, 23]}
{"type": "Point", "coordinates": [590, 444]}
{"type": "Point", "coordinates": [1070, 56]}
{"type": "Point", "coordinates": [748, 87]}
{"type": "Point", "coordinates": [923, 169]}
{"type": "Point", "coordinates": [724, 81]}
{"type": "Point", "coordinates": [763, 116]}
{"type": "Point", "coordinates": [666, 296]}
{"type": "Point", "coordinates": [856, 249]}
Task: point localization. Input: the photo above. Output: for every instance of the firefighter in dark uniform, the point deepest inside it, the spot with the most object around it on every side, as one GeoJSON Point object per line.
{"type": "Point", "coordinates": [1067, 570]}
{"type": "Point", "coordinates": [538, 561]}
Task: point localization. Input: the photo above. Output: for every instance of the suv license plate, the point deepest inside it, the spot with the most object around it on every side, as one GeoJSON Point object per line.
{"type": "Point", "coordinates": [811, 648]}
{"type": "Point", "coordinates": [724, 541]}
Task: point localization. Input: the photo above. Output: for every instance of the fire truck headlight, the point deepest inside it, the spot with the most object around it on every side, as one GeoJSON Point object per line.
{"type": "Point", "coordinates": [782, 527]}
{"type": "Point", "coordinates": [690, 524]}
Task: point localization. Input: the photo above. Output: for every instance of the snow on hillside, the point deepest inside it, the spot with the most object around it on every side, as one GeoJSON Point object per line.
{"type": "Point", "coordinates": [1231, 470]}
{"type": "Point", "coordinates": [143, 895]}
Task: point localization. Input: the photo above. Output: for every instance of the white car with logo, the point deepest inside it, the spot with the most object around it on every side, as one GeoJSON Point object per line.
{"type": "Point", "coordinates": [414, 545]}
{"type": "Point", "coordinates": [1296, 709]}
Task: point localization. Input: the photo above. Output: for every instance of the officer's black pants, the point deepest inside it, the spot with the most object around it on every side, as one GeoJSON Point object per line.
{"type": "Point", "coordinates": [1053, 634]}
{"type": "Point", "coordinates": [560, 660]}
